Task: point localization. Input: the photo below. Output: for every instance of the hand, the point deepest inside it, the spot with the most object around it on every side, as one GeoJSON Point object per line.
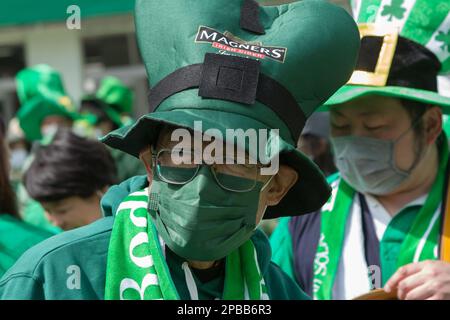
{"type": "Point", "coordinates": [426, 280]}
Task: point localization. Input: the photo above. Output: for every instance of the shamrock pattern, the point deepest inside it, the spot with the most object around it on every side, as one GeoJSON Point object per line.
{"type": "Point", "coordinates": [445, 39]}
{"type": "Point", "coordinates": [394, 10]}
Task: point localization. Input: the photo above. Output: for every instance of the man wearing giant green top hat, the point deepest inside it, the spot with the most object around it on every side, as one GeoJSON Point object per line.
{"type": "Point", "coordinates": [387, 221]}
{"type": "Point", "coordinates": [44, 102]}
{"type": "Point", "coordinates": [188, 229]}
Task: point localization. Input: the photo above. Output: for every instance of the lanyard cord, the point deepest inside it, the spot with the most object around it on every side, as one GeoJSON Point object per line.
{"type": "Point", "coordinates": [190, 282]}
{"type": "Point", "coordinates": [371, 241]}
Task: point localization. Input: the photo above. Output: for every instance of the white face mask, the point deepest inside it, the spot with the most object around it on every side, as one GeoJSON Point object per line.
{"type": "Point", "coordinates": [18, 158]}
{"type": "Point", "coordinates": [49, 130]}
{"type": "Point", "coordinates": [368, 164]}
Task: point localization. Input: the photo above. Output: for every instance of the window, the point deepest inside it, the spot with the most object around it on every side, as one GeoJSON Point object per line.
{"type": "Point", "coordinates": [12, 59]}
{"type": "Point", "coordinates": [111, 51]}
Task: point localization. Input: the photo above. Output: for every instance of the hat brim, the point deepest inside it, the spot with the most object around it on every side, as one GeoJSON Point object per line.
{"type": "Point", "coordinates": [112, 114]}
{"type": "Point", "coordinates": [308, 194]}
{"type": "Point", "coordinates": [351, 92]}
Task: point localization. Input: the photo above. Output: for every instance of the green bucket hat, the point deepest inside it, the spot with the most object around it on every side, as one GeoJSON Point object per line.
{"type": "Point", "coordinates": [405, 45]}
{"type": "Point", "coordinates": [115, 99]}
{"type": "Point", "coordinates": [250, 67]}
{"type": "Point", "coordinates": [41, 94]}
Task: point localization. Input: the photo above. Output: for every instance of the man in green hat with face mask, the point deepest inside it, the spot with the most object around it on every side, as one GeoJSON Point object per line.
{"type": "Point", "coordinates": [387, 221]}
{"type": "Point", "coordinates": [189, 228]}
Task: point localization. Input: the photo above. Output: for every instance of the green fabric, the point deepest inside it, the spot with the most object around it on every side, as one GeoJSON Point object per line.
{"type": "Point", "coordinates": [281, 244]}
{"type": "Point", "coordinates": [113, 92]}
{"type": "Point", "coordinates": [393, 239]}
{"type": "Point", "coordinates": [136, 238]}
{"type": "Point", "coordinates": [293, 28]}
{"type": "Point", "coordinates": [425, 216]}
{"type": "Point", "coordinates": [226, 219]}
{"type": "Point", "coordinates": [424, 21]}
{"type": "Point", "coordinates": [32, 212]}
{"type": "Point", "coordinates": [332, 232]}
{"type": "Point", "coordinates": [134, 255]}
{"type": "Point", "coordinates": [350, 92]}
{"type": "Point", "coordinates": [41, 94]}
{"type": "Point", "coordinates": [446, 125]}
{"type": "Point", "coordinates": [15, 238]}
{"type": "Point", "coordinates": [281, 240]}
{"type": "Point", "coordinates": [115, 98]}
{"type": "Point", "coordinates": [72, 265]}
{"type": "Point", "coordinates": [284, 24]}
{"type": "Point", "coordinates": [12, 13]}
{"type": "Point", "coordinates": [39, 80]}
{"type": "Point", "coordinates": [127, 166]}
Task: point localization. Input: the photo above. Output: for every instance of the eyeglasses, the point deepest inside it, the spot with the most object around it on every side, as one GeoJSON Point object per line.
{"type": "Point", "coordinates": [179, 166]}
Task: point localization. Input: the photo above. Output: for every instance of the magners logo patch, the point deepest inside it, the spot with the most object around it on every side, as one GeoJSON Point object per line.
{"type": "Point", "coordinates": [226, 41]}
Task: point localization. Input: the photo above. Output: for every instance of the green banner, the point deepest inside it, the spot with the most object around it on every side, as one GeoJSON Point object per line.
{"type": "Point", "coordinates": [22, 12]}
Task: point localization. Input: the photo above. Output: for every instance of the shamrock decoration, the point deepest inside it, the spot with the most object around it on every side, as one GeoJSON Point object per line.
{"type": "Point", "coordinates": [395, 9]}
{"type": "Point", "coordinates": [445, 39]}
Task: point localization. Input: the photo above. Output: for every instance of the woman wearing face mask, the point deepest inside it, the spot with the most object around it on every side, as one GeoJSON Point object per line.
{"type": "Point", "coordinates": [188, 229]}
{"type": "Point", "coordinates": [15, 236]}
{"type": "Point", "coordinates": [388, 219]}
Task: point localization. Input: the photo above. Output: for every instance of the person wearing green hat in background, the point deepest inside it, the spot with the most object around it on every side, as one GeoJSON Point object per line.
{"type": "Point", "coordinates": [44, 107]}
{"type": "Point", "coordinates": [44, 104]}
{"type": "Point", "coordinates": [189, 230]}
{"type": "Point", "coordinates": [16, 236]}
{"type": "Point", "coordinates": [110, 106]}
{"type": "Point", "coordinates": [387, 223]}
{"type": "Point", "coordinates": [109, 109]}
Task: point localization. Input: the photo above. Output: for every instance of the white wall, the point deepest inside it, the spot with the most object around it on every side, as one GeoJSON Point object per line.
{"type": "Point", "coordinates": [62, 49]}
{"type": "Point", "coordinates": [54, 44]}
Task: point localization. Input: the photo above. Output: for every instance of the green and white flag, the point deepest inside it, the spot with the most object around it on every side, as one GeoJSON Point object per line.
{"type": "Point", "coordinates": [424, 21]}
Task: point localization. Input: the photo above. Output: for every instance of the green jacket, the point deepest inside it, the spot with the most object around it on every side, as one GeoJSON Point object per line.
{"type": "Point", "coordinates": [72, 265]}
{"type": "Point", "coordinates": [15, 238]}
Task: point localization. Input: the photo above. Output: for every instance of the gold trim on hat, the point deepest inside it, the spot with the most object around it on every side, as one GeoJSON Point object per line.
{"type": "Point", "coordinates": [380, 76]}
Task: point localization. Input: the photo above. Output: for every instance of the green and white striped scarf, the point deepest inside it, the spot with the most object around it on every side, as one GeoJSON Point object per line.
{"type": "Point", "coordinates": [137, 269]}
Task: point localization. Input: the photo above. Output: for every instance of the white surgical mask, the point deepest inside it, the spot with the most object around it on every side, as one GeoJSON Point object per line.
{"type": "Point", "coordinates": [18, 158]}
{"type": "Point", "coordinates": [49, 130]}
{"type": "Point", "coordinates": [368, 164]}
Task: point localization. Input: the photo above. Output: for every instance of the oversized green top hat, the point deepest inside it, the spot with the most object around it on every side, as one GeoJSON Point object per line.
{"type": "Point", "coordinates": [405, 44]}
{"type": "Point", "coordinates": [234, 65]}
{"type": "Point", "coordinates": [41, 93]}
{"type": "Point", "coordinates": [114, 98]}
